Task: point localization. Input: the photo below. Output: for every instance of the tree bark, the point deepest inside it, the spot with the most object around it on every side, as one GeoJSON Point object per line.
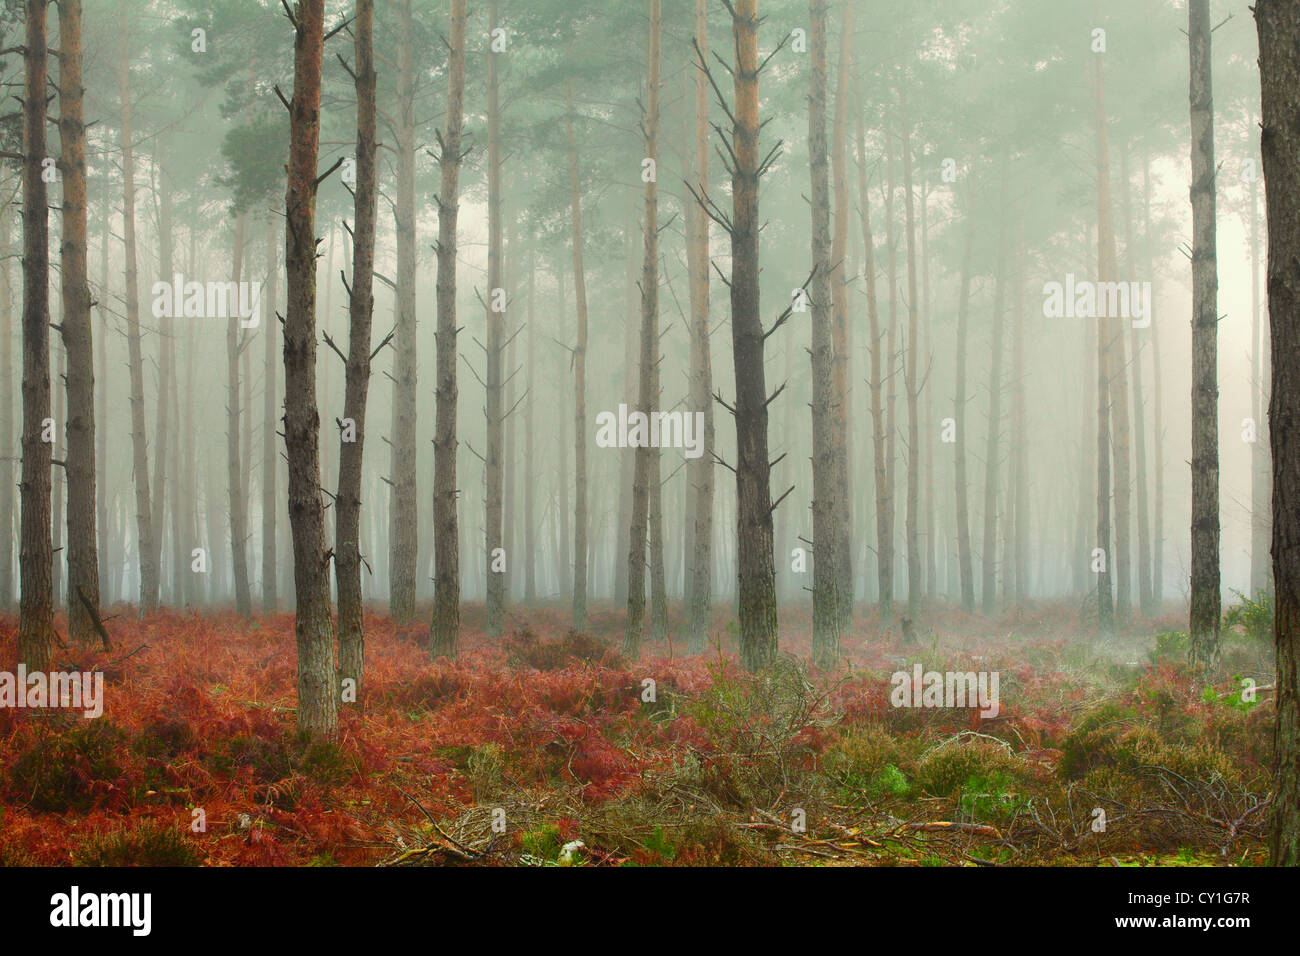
{"type": "Point", "coordinates": [965, 565]}
{"type": "Point", "coordinates": [579, 385]}
{"type": "Point", "coordinates": [699, 473]}
{"type": "Point", "coordinates": [271, 403]}
{"type": "Point", "coordinates": [8, 450]}
{"type": "Point", "coordinates": [361, 306]}
{"type": "Point", "coordinates": [756, 575]}
{"type": "Point", "coordinates": [404, 518]}
{"type": "Point", "coordinates": [1278, 23]}
{"type": "Point", "coordinates": [826, 517]}
{"type": "Point", "coordinates": [910, 380]}
{"type": "Point", "coordinates": [83, 554]}
{"type": "Point", "coordinates": [36, 558]}
{"type": "Point", "coordinates": [496, 579]}
{"type": "Point", "coordinates": [147, 551]}
{"type": "Point", "coordinates": [313, 626]}
{"type": "Point", "coordinates": [1203, 623]}
{"type": "Point", "coordinates": [234, 460]}
{"type": "Point", "coordinates": [646, 464]}
{"type": "Point", "coordinates": [445, 628]}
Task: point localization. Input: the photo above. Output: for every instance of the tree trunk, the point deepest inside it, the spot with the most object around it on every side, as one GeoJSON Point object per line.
{"type": "Point", "coordinates": [36, 602]}
{"type": "Point", "coordinates": [270, 405]}
{"type": "Point", "coordinates": [992, 446]}
{"type": "Point", "coordinates": [361, 306]}
{"type": "Point", "coordinates": [8, 451]}
{"type": "Point", "coordinates": [756, 576]}
{"type": "Point", "coordinates": [1018, 566]}
{"type": "Point", "coordinates": [1261, 518]}
{"type": "Point", "coordinates": [911, 382]}
{"type": "Point", "coordinates": [1117, 373]}
{"type": "Point", "coordinates": [1157, 425]}
{"type": "Point", "coordinates": [826, 518]}
{"type": "Point", "coordinates": [445, 628]}
{"type": "Point", "coordinates": [404, 519]}
{"type": "Point", "coordinates": [166, 364]}
{"type": "Point", "coordinates": [83, 554]}
{"type": "Point", "coordinates": [843, 537]}
{"type": "Point", "coordinates": [495, 558]}
{"type": "Point", "coordinates": [313, 627]}
{"type": "Point", "coordinates": [1145, 602]}
{"type": "Point", "coordinates": [965, 565]}
{"type": "Point", "coordinates": [1203, 624]}
{"type": "Point", "coordinates": [146, 552]}
{"type": "Point", "coordinates": [885, 555]}
{"type": "Point", "coordinates": [699, 472]}
{"type": "Point", "coordinates": [579, 386]}
{"type": "Point", "coordinates": [101, 412]}
{"type": "Point", "coordinates": [530, 487]}
{"type": "Point", "coordinates": [646, 465]}
{"type": "Point", "coordinates": [1279, 67]}
{"type": "Point", "coordinates": [234, 463]}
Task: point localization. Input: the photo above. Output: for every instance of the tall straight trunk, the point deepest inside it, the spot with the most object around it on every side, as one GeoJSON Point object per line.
{"type": "Point", "coordinates": [83, 553]}
{"type": "Point", "coordinates": [508, 369]}
{"type": "Point", "coordinates": [36, 602]}
{"type": "Point", "coordinates": [1117, 377]}
{"type": "Point", "coordinates": [313, 627]}
{"type": "Point", "coordinates": [579, 385]}
{"type": "Point", "coordinates": [404, 520]}
{"type": "Point", "coordinates": [270, 405]}
{"type": "Point", "coordinates": [238, 502]}
{"type": "Point", "coordinates": [496, 578]}
{"type": "Point", "coordinates": [826, 518]}
{"type": "Point", "coordinates": [992, 445]}
{"type": "Point", "coordinates": [1157, 425]}
{"type": "Point", "coordinates": [146, 551]}
{"type": "Point", "coordinates": [361, 307]}
{"type": "Point", "coordinates": [876, 382]}
{"type": "Point", "coordinates": [756, 575]}
{"type": "Point", "coordinates": [843, 531]}
{"type": "Point", "coordinates": [965, 565]}
{"type": "Point", "coordinates": [166, 363]}
{"type": "Point", "coordinates": [445, 628]}
{"type": "Point", "coordinates": [927, 430]}
{"type": "Point", "coordinates": [1261, 518]}
{"type": "Point", "coordinates": [530, 488]}
{"type": "Point", "coordinates": [7, 449]}
{"type": "Point", "coordinates": [1279, 68]}
{"type": "Point", "coordinates": [910, 380]}
{"type": "Point", "coordinates": [885, 555]}
{"type": "Point", "coordinates": [194, 583]}
{"type": "Point", "coordinates": [699, 472]}
{"type": "Point", "coordinates": [1146, 604]}
{"type": "Point", "coordinates": [646, 466]}
{"type": "Point", "coordinates": [58, 480]}
{"type": "Point", "coordinates": [101, 411]}
{"type": "Point", "coordinates": [1203, 623]}
{"type": "Point", "coordinates": [623, 536]}
{"type": "Point", "coordinates": [1105, 607]}
{"type": "Point", "coordinates": [564, 571]}
{"type": "Point", "coordinates": [1018, 513]}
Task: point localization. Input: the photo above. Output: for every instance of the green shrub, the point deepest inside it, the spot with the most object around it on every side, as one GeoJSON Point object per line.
{"type": "Point", "coordinates": [147, 845]}
{"type": "Point", "coordinates": [55, 773]}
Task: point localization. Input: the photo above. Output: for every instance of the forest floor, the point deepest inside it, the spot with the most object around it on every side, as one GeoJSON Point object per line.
{"type": "Point", "coordinates": [1101, 753]}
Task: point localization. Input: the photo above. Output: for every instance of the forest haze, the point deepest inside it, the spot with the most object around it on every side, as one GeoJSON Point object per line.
{"type": "Point", "coordinates": [699, 431]}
